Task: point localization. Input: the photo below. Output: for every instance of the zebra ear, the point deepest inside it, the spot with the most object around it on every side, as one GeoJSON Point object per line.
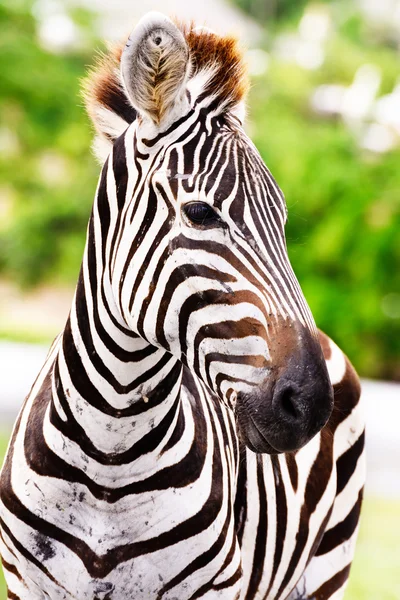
{"type": "Point", "coordinates": [154, 67]}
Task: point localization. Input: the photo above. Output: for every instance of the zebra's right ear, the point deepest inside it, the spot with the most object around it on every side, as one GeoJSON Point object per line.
{"type": "Point", "coordinates": [155, 65]}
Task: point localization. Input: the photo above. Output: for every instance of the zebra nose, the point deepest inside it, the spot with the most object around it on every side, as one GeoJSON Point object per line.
{"type": "Point", "coordinates": [300, 409]}
{"type": "Point", "coordinates": [286, 402]}
{"type": "Point", "coordinates": [294, 401]}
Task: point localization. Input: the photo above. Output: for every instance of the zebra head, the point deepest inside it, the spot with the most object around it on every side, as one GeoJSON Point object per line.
{"type": "Point", "coordinates": [197, 258]}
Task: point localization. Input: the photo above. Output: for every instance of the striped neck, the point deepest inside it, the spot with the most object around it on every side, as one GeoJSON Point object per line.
{"type": "Point", "coordinates": [110, 386]}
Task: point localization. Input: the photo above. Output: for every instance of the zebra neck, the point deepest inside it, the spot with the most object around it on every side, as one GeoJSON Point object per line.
{"type": "Point", "coordinates": [110, 385]}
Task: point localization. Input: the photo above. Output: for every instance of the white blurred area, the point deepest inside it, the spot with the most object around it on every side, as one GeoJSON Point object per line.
{"type": "Point", "coordinates": [306, 46]}
{"type": "Point", "coordinates": [119, 16]}
{"type": "Point", "coordinates": [58, 33]}
{"type": "Point", "coordinates": [374, 119]}
{"type": "Point", "coordinates": [115, 19]}
{"type": "Point", "coordinates": [382, 14]}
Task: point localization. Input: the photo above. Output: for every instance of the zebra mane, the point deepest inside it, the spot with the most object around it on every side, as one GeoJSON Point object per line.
{"type": "Point", "coordinates": [217, 75]}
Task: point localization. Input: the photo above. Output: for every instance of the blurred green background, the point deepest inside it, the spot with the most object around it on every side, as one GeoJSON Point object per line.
{"type": "Point", "coordinates": [324, 111]}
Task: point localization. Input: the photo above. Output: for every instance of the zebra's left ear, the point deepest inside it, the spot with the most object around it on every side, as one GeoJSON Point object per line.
{"type": "Point", "coordinates": [155, 65]}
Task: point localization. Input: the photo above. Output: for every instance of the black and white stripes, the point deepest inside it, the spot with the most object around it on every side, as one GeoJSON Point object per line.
{"type": "Point", "coordinates": [182, 440]}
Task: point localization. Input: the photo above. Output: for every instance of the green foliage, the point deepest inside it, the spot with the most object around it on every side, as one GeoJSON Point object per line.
{"type": "Point", "coordinates": [265, 10]}
{"type": "Point", "coordinates": [47, 174]}
{"type": "Point", "coordinates": [344, 205]}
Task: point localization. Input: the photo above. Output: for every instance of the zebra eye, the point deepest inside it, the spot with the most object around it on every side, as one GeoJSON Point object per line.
{"type": "Point", "coordinates": [200, 213]}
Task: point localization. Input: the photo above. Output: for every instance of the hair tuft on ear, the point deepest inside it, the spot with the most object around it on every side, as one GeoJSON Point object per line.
{"type": "Point", "coordinates": [154, 66]}
{"type": "Point", "coordinates": [219, 67]}
{"type": "Point", "coordinates": [106, 102]}
{"type": "Point", "coordinates": [149, 76]}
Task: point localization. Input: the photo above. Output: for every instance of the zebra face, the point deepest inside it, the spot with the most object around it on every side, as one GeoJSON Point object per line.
{"type": "Point", "coordinates": [200, 265]}
{"type": "Point", "coordinates": [217, 289]}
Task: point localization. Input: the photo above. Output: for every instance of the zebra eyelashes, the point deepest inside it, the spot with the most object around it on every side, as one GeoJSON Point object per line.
{"type": "Point", "coordinates": [201, 213]}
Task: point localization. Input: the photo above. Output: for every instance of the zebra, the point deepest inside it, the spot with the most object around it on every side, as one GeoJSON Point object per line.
{"type": "Point", "coordinates": [191, 433]}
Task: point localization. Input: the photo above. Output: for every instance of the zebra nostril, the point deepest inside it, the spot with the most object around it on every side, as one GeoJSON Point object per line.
{"type": "Point", "coordinates": [285, 402]}
{"type": "Point", "coordinates": [288, 404]}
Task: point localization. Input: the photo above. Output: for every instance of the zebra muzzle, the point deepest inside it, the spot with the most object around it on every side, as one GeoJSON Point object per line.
{"type": "Point", "coordinates": [290, 407]}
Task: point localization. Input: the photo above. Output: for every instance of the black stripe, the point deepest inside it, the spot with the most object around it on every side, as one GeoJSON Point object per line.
{"type": "Point", "coordinates": [260, 541]}
{"type": "Point", "coordinates": [166, 133]}
{"type": "Point", "coordinates": [328, 588]}
{"type": "Point", "coordinates": [241, 493]}
{"type": "Point", "coordinates": [342, 531]}
{"type": "Point", "coordinates": [11, 568]}
{"type": "Point", "coordinates": [281, 520]}
{"type": "Point", "coordinates": [92, 395]}
{"type": "Point", "coordinates": [17, 545]}
{"type": "Point", "coordinates": [72, 430]}
{"type": "Point", "coordinates": [347, 463]}
{"type": "Point", "coordinates": [177, 277]}
{"type": "Point", "coordinates": [316, 485]}
{"type": "Point", "coordinates": [44, 462]}
{"type": "Point", "coordinates": [293, 470]}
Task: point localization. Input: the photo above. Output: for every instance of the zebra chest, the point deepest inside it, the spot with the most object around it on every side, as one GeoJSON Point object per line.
{"type": "Point", "coordinates": [131, 547]}
{"type": "Point", "coordinates": [136, 520]}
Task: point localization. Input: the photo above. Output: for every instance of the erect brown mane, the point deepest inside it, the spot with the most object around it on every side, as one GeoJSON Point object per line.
{"type": "Point", "coordinates": [220, 56]}
{"type": "Point", "coordinates": [229, 84]}
{"type": "Point", "coordinates": [103, 88]}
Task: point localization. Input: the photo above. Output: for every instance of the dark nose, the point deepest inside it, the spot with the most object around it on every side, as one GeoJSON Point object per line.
{"type": "Point", "coordinates": [302, 403]}
{"type": "Point", "coordinates": [286, 402]}
{"type": "Point", "coordinates": [291, 407]}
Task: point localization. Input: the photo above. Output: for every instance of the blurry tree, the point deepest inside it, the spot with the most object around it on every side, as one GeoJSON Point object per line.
{"type": "Point", "coordinates": [265, 10]}
{"type": "Point", "coordinates": [47, 173]}
{"type": "Point", "coordinates": [343, 230]}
